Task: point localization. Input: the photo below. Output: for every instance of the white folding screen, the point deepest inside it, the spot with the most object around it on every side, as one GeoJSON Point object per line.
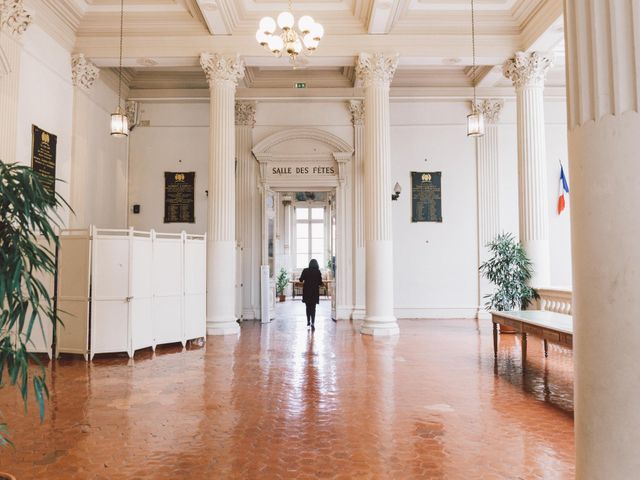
{"type": "Point", "coordinates": [195, 291]}
{"type": "Point", "coordinates": [145, 289]}
{"type": "Point", "coordinates": [74, 269]}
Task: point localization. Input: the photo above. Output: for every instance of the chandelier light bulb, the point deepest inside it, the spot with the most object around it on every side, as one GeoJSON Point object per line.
{"type": "Point", "coordinates": [275, 44]}
{"type": "Point", "coordinates": [310, 42]}
{"type": "Point", "coordinates": [305, 23]}
{"type": "Point", "coordinates": [286, 20]}
{"type": "Point", "coordinates": [297, 46]}
{"type": "Point", "coordinates": [267, 25]}
{"type": "Point", "coordinates": [317, 31]}
{"type": "Point", "coordinates": [262, 38]}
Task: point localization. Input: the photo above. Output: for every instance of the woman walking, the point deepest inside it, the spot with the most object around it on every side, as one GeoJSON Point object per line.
{"type": "Point", "coordinates": [312, 280]}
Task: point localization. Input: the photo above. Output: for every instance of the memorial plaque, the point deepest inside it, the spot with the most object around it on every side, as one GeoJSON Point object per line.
{"type": "Point", "coordinates": [43, 158]}
{"type": "Point", "coordinates": [179, 200]}
{"type": "Point", "coordinates": [426, 196]}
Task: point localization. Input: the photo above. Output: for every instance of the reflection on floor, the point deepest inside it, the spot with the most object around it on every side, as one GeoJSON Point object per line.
{"type": "Point", "coordinates": [281, 402]}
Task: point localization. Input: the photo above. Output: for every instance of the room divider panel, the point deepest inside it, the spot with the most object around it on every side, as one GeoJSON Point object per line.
{"type": "Point", "coordinates": [143, 289]}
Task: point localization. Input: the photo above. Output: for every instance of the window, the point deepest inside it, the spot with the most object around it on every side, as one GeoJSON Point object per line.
{"type": "Point", "coordinates": [309, 236]}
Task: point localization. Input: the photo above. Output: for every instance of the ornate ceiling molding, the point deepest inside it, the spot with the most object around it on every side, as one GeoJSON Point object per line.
{"type": "Point", "coordinates": [246, 113]}
{"type": "Point", "coordinates": [490, 108]}
{"type": "Point", "coordinates": [336, 144]}
{"type": "Point", "coordinates": [356, 108]}
{"type": "Point", "coordinates": [527, 69]}
{"type": "Point", "coordinates": [14, 16]}
{"type": "Point", "coordinates": [376, 68]}
{"type": "Point", "coordinates": [221, 69]}
{"type": "Point", "coordinates": [84, 73]}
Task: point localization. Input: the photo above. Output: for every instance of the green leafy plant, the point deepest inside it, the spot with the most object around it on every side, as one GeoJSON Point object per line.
{"type": "Point", "coordinates": [281, 281]}
{"type": "Point", "coordinates": [509, 269]}
{"type": "Point", "coordinates": [28, 240]}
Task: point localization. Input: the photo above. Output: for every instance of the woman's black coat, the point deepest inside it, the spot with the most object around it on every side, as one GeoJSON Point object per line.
{"type": "Point", "coordinates": [312, 279]}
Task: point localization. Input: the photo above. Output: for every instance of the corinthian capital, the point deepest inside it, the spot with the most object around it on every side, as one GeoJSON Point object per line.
{"type": "Point", "coordinates": [490, 108]}
{"type": "Point", "coordinates": [83, 72]}
{"type": "Point", "coordinates": [246, 113]}
{"type": "Point", "coordinates": [14, 16]}
{"type": "Point", "coordinates": [527, 68]}
{"type": "Point", "coordinates": [376, 68]}
{"type": "Point", "coordinates": [356, 108]}
{"type": "Point", "coordinates": [221, 69]}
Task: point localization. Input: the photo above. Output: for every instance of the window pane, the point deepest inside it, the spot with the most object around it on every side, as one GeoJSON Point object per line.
{"type": "Point", "coordinates": [302, 261]}
{"type": "Point", "coordinates": [317, 213]}
{"type": "Point", "coordinates": [317, 230]}
{"type": "Point", "coordinates": [302, 246]}
{"type": "Point", "coordinates": [320, 258]}
{"type": "Point", "coordinates": [317, 245]}
{"type": "Point", "coordinates": [302, 230]}
{"type": "Point", "coordinates": [302, 213]}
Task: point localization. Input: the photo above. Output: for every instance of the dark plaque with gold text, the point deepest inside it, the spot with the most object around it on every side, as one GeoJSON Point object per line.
{"type": "Point", "coordinates": [426, 196]}
{"type": "Point", "coordinates": [43, 157]}
{"type": "Point", "coordinates": [179, 188]}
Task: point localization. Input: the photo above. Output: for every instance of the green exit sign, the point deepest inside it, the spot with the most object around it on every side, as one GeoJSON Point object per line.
{"type": "Point", "coordinates": [300, 85]}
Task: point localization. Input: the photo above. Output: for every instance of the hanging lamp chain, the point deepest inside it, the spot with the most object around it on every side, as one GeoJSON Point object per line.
{"type": "Point", "coordinates": [120, 64]}
{"type": "Point", "coordinates": [473, 48]}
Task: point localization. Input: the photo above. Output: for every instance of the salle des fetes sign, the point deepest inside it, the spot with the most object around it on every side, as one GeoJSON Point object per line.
{"type": "Point", "coordinates": [312, 170]}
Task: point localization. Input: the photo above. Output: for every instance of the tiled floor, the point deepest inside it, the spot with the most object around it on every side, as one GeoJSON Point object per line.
{"type": "Point", "coordinates": [281, 402]}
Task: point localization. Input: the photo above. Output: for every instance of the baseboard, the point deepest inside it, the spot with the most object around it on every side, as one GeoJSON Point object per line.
{"type": "Point", "coordinates": [436, 312]}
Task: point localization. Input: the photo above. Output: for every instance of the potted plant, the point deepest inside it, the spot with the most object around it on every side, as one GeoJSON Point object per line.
{"type": "Point", "coordinates": [281, 283]}
{"type": "Point", "coordinates": [510, 270]}
{"type": "Point", "coordinates": [28, 220]}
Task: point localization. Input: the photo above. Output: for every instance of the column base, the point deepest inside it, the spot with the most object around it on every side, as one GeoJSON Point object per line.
{"type": "Point", "coordinates": [380, 327]}
{"type": "Point", "coordinates": [229, 327]}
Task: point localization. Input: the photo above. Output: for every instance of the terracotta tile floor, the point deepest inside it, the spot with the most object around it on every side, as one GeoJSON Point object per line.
{"type": "Point", "coordinates": [280, 402]}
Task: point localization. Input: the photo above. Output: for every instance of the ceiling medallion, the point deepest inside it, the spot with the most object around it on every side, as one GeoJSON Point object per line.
{"type": "Point", "coordinates": [303, 40]}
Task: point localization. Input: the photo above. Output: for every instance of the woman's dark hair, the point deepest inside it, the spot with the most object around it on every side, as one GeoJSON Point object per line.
{"type": "Point", "coordinates": [314, 264]}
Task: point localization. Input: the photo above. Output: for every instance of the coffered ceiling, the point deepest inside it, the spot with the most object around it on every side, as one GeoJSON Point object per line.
{"type": "Point", "coordinates": [163, 38]}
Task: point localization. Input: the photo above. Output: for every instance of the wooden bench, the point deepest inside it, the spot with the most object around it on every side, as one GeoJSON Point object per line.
{"type": "Point", "coordinates": [550, 326]}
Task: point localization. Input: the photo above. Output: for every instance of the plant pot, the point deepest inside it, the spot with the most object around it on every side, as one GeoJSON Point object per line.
{"type": "Point", "coordinates": [282, 298]}
{"type": "Point", "coordinates": [6, 476]}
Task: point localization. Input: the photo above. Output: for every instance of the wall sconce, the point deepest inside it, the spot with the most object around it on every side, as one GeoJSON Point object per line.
{"type": "Point", "coordinates": [396, 192]}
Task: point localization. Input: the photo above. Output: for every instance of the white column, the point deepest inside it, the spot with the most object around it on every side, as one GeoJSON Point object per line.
{"type": "Point", "coordinates": [527, 72]}
{"type": "Point", "coordinates": [375, 72]}
{"type": "Point", "coordinates": [14, 20]}
{"type": "Point", "coordinates": [344, 239]}
{"type": "Point", "coordinates": [286, 230]}
{"type": "Point", "coordinates": [223, 74]}
{"type": "Point", "coordinates": [356, 107]}
{"type": "Point", "coordinates": [603, 86]}
{"type": "Point", "coordinates": [83, 75]}
{"type": "Point", "coordinates": [488, 189]}
{"type": "Point", "coordinates": [248, 209]}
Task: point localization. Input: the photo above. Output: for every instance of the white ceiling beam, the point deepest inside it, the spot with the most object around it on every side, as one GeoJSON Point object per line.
{"type": "Point", "coordinates": [337, 50]}
{"type": "Point", "coordinates": [384, 14]}
{"type": "Point", "coordinates": [214, 17]}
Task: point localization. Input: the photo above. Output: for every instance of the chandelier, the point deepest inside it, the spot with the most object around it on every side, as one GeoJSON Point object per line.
{"type": "Point", "coordinates": [289, 40]}
{"type": "Point", "coordinates": [119, 121]}
{"type": "Point", "coordinates": [475, 121]}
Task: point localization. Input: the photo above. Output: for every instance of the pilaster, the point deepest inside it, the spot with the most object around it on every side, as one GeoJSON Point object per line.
{"type": "Point", "coordinates": [247, 209]}
{"type": "Point", "coordinates": [527, 72]}
{"type": "Point", "coordinates": [223, 73]}
{"type": "Point", "coordinates": [356, 108]}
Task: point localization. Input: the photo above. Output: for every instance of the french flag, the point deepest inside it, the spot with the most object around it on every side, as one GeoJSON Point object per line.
{"type": "Point", "coordinates": [563, 187]}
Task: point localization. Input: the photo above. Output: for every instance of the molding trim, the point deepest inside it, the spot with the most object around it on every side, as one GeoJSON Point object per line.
{"type": "Point", "coordinates": [14, 16]}
{"type": "Point", "coordinates": [84, 73]}
{"type": "Point", "coordinates": [436, 312]}
{"type": "Point", "coordinates": [336, 143]}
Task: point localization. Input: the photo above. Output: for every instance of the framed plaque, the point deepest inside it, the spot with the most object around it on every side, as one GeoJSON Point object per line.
{"type": "Point", "coordinates": [426, 196]}
{"type": "Point", "coordinates": [43, 157]}
{"type": "Point", "coordinates": [179, 200]}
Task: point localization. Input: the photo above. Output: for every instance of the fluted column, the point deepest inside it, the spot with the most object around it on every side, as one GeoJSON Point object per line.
{"type": "Point", "coordinates": [603, 86]}
{"type": "Point", "coordinates": [527, 72]}
{"type": "Point", "coordinates": [223, 74]}
{"type": "Point", "coordinates": [83, 75]}
{"type": "Point", "coordinates": [14, 21]}
{"type": "Point", "coordinates": [488, 188]}
{"type": "Point", "coordinates": [248, 209]}
{"type": "Point", "coordinates": [356, 108]}
{"type": "Point", "coordinates": [375, 72]}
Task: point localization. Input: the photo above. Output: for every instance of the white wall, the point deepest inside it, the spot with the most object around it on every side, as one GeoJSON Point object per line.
{"type": "Point", "coordinates": [47, 98]}
{"type": "Point", "coordinates": [435, 263]}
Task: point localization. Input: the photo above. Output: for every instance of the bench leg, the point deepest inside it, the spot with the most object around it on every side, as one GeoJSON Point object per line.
{"type": "Point", "coordinates": [495, 340]}
{"type": "Point", "coordinates": [546, 349]}
{"type": "Point", "coordinates": [524, 347]}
